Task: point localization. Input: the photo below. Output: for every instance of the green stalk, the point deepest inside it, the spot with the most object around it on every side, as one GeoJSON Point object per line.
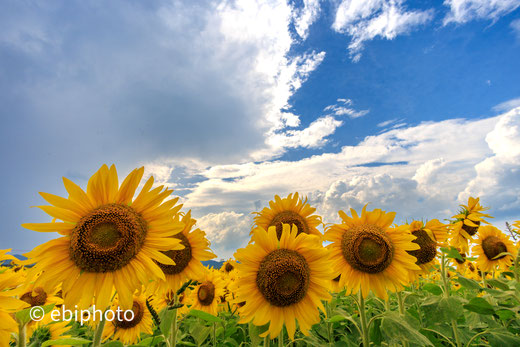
{"type": "Point", "coordinates": [280, 338]}
{"type": "Point", "coordinates": [21, 335]}
{"type": "Point", "coordinates": [329, 325]}
{"type": "Point", "coordinates": [214, 334]}
{"type": "Point", "coordinates": [98, 334]}
{"type": "Point", "coordinates": [517, 260]}
{"type": "Point", "coordinates": [266, 341]}
{"type": "Point", "coordinates": [362, 315]}
{"type": "Point", "coordinates": [447, 295]}
{"type": "Point", "coordinates": [173, 329]}
{"type": "Point", "coordinates": [400, 301]}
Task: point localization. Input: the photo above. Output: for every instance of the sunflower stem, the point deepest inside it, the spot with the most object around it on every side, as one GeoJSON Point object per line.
{"type": "Point", "coordinates": [400, 301]}
{"type": "Point", "coordinates": [329, 325]}
{"type": "Point", "coordinates": [21, 335]}
{"type": "Point", "coordinates": [515, 271]}
{"type": "Point", "coordinates": [447, 295]}
{"type": "Point", "coordinates": [266, 341]}
{"type": "Point", "coordinates": [98, 334]}
{"type": "Point", "coordinates": [280, 338]}
{"type": "Point", "coordinates": [173, 329]}
{"type": "Point", "coordinates": [363, 317]}
{"type": "Point", "coordinates": [214, 334]}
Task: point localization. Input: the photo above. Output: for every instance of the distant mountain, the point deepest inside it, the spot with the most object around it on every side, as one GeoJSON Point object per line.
{"type": "Point", "coordinates": [212, 263]}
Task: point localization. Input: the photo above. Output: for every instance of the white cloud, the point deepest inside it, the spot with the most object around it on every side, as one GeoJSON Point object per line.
{"type": "Point", "coordinates": [507, 105]}
{"type": "Point", "coordinates": [515, 25]}
{"type": "Point", "coordinates": [343, 108]}
{"type": "Point", "coordinates": [498, 176]}
{"type": "Point", "coordinates": [306, 16]}
{"type": "Point", "coordinates": [462, 11]}
{"type": "Point", "coordinates": [366, 20]}
{"type": "Point", "coordinates": [227, 231]}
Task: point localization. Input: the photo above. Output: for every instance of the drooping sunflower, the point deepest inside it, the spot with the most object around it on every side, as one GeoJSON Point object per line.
{"type": "Point", "coordinates": [291, 210]}
{"type": "Point", "coordinates": [460, 264]}
{"type": "Point", "coordinates": [47, 329]}
{"type": "Point", "coordinates": [283, 280]}
{"type": "Point", "coordinates": [188, 260]}
{"type": "Point", "coordinates": [9, 287]}
{"type": "Point", "coordinates": [110, 240]}
{"type": "Point", "coordinates": [162, 301]}
{"type": "Point", "coordinates": [206, 296]}
{"type": "Point", "coordinates": [369, 254]}
{"type": "Point", "coordinates": [428, 236]}
{"type": "Point", "coordinates": [490, 244]}
{"type": "Point", "coordinates": [466, 223]}
{"type": "Point", "coordinates": [126, 329]}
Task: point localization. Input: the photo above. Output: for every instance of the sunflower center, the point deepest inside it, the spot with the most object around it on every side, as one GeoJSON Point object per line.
{"type": "Point", "coordinates": [283, 277]}
{"type": "Point", "coordinates": [37, 297]}
{"type": "Point", "coordinates": [206, 293]}
{"type": "Point", "coordinates": [229, 267]}
{"type": "Point", "coordinates": [492, 247]}
{"type": "Point", "coordinates": [428, 249]}
{"type": "Point", "coordinates": [469, 229]}
{"type": "Point", "coordinates": [367, 248]}
{"type": "Point", "coordinates": [289, 217]}
{"type": "Point", "coordinates": [180, 257]}
{"type": "Point", "coordinates": [107, 238]}
{"type": "Point", "coordinates": [124, 323]}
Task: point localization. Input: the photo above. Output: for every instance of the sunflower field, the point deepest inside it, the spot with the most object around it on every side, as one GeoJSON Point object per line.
{"type": "Point", "coordinates": [127, 270]}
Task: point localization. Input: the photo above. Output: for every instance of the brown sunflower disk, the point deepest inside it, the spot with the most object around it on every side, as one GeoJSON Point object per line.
{"type": "Point", "coordinates": [492, 247]}
{"type": "Point", "coordinates": [206, 293]}
{"type": "Point", "coordinates": [35, 300]}
{"type": "Point", "coordinates": [180, 257]}
{"type": "Point", "coordinates": [283, 277]}
{"type": "Point", "coordinates": [291, 218]}
{"type": "Point", "coordinates": [428, 249]}
{"type": "Point", "coordinates": [367, 248]}
{"type": "Point", "coordinates": [469, 229]}
{"type": "Point", "coordinates": [107, 238]}
{"type": "Point", "coordinates": [127, 324]}
{"type": "Point", "coordinates": [229, 267]}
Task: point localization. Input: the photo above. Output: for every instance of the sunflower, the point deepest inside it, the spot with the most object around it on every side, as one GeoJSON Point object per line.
{"type": "Point", "coordinates": [282, 280]}
{"type": "Point", "coordinates": [369, 254]}
{"type": "Point", "coordinates": [334, 285]}
{"type": "Point", "coordinates": [207, 295]}
{"type": "Point", "coordinates": [166, 299]}
{"type": "Point", "coordinates": [461, 265]}
{"type": "Point", "coordinates": [188, 260]}
{"type": "Point", "coordinates": [47, 329]}
{"type": "Point", "coordinates": [467, 223]}
{"type": "Point", "coordinates": [228, 266]}
{"type": "Point", "coordinates": [9, 287]}
{"type": "Point", "coordinates": [429, 237]}
{"type": "Point", "coordinates": [490, 245]}
{"type": "Point", "coordinates": [127, 329]}
{"type": "Point", "coordinates": [290, 210]}
{"type": "Point", "coordinates": [110, 240]}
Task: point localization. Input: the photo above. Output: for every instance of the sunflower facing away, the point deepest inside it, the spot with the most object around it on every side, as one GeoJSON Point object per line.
{"type": "Point", "coordinates": [429, 236]}
{"type": "Point", "coordinates": [283, 280]}
{"type": "Point", "coordinates": [490, 244]}
{"type": "Point", "coordinates": [467, 223]}
{"type": "Point", "coordinates": [110, 240]}
{"type": "Point", "coordinates": [290, 210]}
{"type": "Point", "coordinates": [369, 254]}
{"type": "Point", "coordinates": [129, 330]}
{"type": "Point", "coordinates": [188, 260]}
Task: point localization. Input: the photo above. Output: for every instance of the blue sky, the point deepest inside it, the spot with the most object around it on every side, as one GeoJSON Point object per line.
{"type": "Point", "coordinates": [411, 106]}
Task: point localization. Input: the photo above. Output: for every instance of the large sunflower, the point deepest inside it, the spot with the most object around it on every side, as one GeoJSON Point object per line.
{"type": "Point", "coordinates": [208, 294]}
{"type": "Point", "coordinates": [188, 260]}
{"type": "Point", "coordinates": [291, 210]}
{"type": "Point", "coordinates": [283, 280]}
{"type": "Point", "coordinates": [127, 329]}
{"type": "Point", "coordinates": [429, 237]}
{"type": "Point", "coordinates": [490, 244]}
{"type": "Point", "coordinates": [110, 240]}
{"type": "Point", "coordinates": [369, 254]}
{"type": "Point", "coordinates": [466, 223]}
